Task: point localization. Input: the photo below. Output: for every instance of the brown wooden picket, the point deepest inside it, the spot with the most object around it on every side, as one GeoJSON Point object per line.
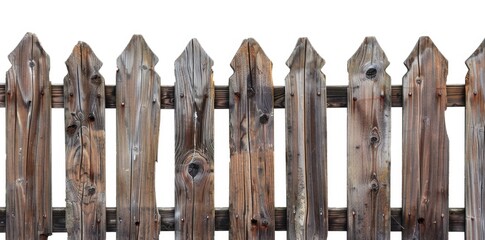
{"type": "Point", "coordinates": [85, 145]}
{"type": "Point", "coordinates": [306, 144]}
{"type": "Point", "coordinates": [137, 126]}
{"type": "Point", "coordinates": [475, 145]}
{"type": "Point", "coordinates": [425, 144]}
{"type": "Point", "coordinates": [368, 144]}
{"type": "Point", "coordinates": [29, 206]}
{"type": "Point", "coordinates": [194, 144]}
{"type": "Point", "coordinates": [251, 179]}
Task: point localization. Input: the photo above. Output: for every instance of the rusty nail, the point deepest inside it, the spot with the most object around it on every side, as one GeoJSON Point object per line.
{"type": "Point", "coordinates": [410, 93]}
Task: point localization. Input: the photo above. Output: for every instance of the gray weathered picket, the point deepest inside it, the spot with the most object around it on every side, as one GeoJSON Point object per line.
{"type": "Point", "coordinates": [306, 144]}
{"type": "Point", "coordinates": [194, 144]}
{"type": "Point", "coordinates": [475, 145]}
{"type": "Point", "coordinates": [368, 144]}
{"type": "Point", "coordinates": [137, 126]}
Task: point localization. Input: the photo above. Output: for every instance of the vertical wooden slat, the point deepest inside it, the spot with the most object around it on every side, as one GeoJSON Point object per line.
{"type": "Point", "coordinates": [368, 150]}
{"type": "Point", "coordinates": [194, 144]}
{"type": "Point", "coordinates": [475, 145]}
{"type": "Point", "coordinates": [137, 123]}
{"type": "Point", "coordinates": [28, 103]}
{"type": "Point", "coordinates": [251, 196]}
{"type": "Point", "coordinates": [84, 103]}
{"type": "Point", "coordinates": [425, 144]}
{"type": "Point", "coordinates": [306, 144]}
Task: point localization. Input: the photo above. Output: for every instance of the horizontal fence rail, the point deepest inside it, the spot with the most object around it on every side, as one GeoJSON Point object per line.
{"type": "Point", "coordinates": [337, 219]}
{"type": "Point", "coordinates": [336, 96]}
{"type": "Point", "coordinates": [251, 98]}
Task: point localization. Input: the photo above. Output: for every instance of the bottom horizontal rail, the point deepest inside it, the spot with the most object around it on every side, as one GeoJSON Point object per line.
{"type": "Point", "coordinates": [337, 219]}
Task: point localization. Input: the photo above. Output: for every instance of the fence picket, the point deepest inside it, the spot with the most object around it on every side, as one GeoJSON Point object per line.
{"type": "Point", "coordinates": [425, 144]}
{"type": "Point", "coordinates": [306, 144]}
{"type": "Point", "coordinates": [85, 145]}
{"type": "Point", "coordinates": [28, 103]}
{"type": "Point", "coordinates": [194, 140]}
{"type": "Point", "coordinates": [137, 126]}
{"type": "Point", "coordinates": [369, 135]}
{"type": "Point", "coordinates": [251, 167]}
{"type": "Point", "coordinates": [475, 145]}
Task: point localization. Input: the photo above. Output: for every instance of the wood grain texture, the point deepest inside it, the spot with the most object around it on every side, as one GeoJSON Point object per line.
{"type": "Point", "coordinates": [137, 127]}
{"type": "Point", "coordinates": [85, 145]}
{"type": "Point", "coordinates": [336, 96]}
{"type": "Point", "coordinates": [337, 219]}
{"type": "Point", "coordinates": [28, 112]}
{"type": "Point", "coordinates": [475, 145]}
{"type": "Point", "coordinates": [425, 144]}
{"type": "Point", "coordinates": [306, 144]}
{"type": "Point", "coordinates": [194, 144]}
{"type": "Point", "coordinates": [369, 142]}
{"type": "Point", "coordinates": [251, 169]}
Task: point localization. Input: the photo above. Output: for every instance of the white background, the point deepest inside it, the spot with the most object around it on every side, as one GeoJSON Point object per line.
{"type": "Point", "coordinates": [335, 29]}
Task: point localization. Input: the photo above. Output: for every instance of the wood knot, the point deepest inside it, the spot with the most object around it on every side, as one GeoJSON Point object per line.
{"type": "Point", "coordinates": [421, 220]}
{"type": "Point", "coordinates": [254, 221]}
{"type": "Point", "coordinates": [31, 63]}
{"type": "Point", "coordinates": [374, 137]}
{"type": "Point", "coordinates": [371, 73]}
{"type": "Point", "coordinates": [91, 117]}
{"type": "Point", "coordinates": [264, 118]}
{"type": "Point", "coordinates": [251, 92]}
{"type": "Point", "coordinates": [265, 223]}
{"type": "Point", "coordinates": [374, 186]}
{"type": "Point", "coordinates": [193, 169]}
{"type": "Point", "coordinates": [418, 80]}
{"type": "Point", "coordinates": [71, 129]}
{"type": "Point", "coordinates": [96, 79]}
{"type": "Point", "coordinates": [91, 191]}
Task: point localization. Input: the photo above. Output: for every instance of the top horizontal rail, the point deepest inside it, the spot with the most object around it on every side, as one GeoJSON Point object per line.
{"type": "Point", "coordinates": [336, 96]}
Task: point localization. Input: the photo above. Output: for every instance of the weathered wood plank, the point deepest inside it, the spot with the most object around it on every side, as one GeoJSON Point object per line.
{"type": "Point", "coordinates": [137, 126]}
{"type": "Point", "coordinates": [85, 145]}
{"type": "Point", "coordinates": [251, 169]}
{"type": "Point", "coordinates": [194, 144]}
{"type": "Point", "coordinates": [336, 96]}
{"type": "Point", "coordinates": [28, 112]}
{"type": "Point", "coordinates": [337, 219]}
{"type": "Point", "coordinates": [425, 144]}
{"type": "Point", "coordinates": [306, 144]}
{"type": "Point", "coordinates": [369, 136]}
{"type": "Point", "coordinates": [475, 145]}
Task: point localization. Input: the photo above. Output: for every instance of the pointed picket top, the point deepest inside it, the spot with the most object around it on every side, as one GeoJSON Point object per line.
{"type": "Point", "coordinates": [137, 48]}
{"type": "Point", "coordinates": [417, 59]}
{"type": "Point", "coordinates": [28, 42]}
{"type": "Point", "coordinates": [80, 51]}
{"type": "Point", "coordinates": [29, 54]}
{"type": "Point", "coordinates": [304, 49]}
{"type": "Point", "coordinates": [369, 61]}
{"type": "Point", "coordinates": [195, 60]}
{"type": "Point", "coordinates": [247, 47]}
{"type": "Point", "coordinates": [475, 144]}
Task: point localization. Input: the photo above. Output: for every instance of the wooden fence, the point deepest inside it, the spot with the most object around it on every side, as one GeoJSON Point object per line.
{"type": "Point", "coordinates": [250, 97]}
